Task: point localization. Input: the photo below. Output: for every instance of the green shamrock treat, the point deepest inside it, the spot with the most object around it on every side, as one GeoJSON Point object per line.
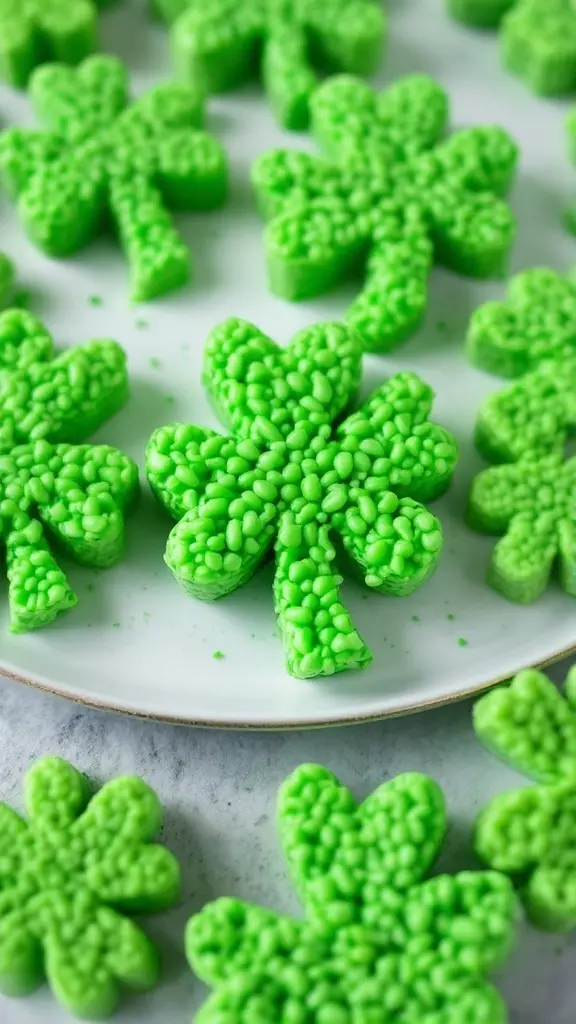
{"type": "Point", "coordinates": [390, 197]}
{"type": "Point", "coordinates": [378, 944]}
{"type": "Point", "coordinates": [34, 31]}
{"type": "Point", "coordinates": [219, 44]}
{"type": "Point", "coordinates": [537, 322]}
{"type": "Point", "coordinates": [530, 833]}
{"type": "Point", "coordinates": [535, 413]}
{"type": "Point", "coordinates": [76, 493]}
{"type": "Point", "coordinates": [537, 38]}
{"type": "Point", "coordinates": [532, 499]}
{"type": "Point", "coordinates": [70, 877]}
{"type": "Point", "coordinates": [348, 495]}
{"type": "Point", "coordinates": [103, 159]}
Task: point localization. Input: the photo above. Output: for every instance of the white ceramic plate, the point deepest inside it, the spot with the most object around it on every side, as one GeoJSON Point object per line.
{"type": "Point", "coordinates": [136, 643]}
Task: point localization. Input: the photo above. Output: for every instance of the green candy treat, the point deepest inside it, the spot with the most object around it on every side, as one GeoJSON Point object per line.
{"type": "Point", "coordinates": [220, 43]}
{"type": "Point", "coordinates": [531, 499]}
{"type": "Point", "coordinates": [69, 878]}
{"type": "Point", "coordinates": [530, 834]}
{"type": "Point", "coordinates": [77, 494]}
{"type": "Point", "coordinates": [537, 38]}
{"type": "Point", "coordinates": [322, 495]}
{"type": "Point", "coordinates": [7, 279]}
{"type": "Point", "coordinates": [101, 158]}
{"type": "Point", "coordinates": [35, 31]}
{"type": "Point", "coordinates": [377, 944]}
{"type": "Point", "coordinates": [535, 413]}
{"type": "Point", "coordinates": [533, 503]}
{"type": "Point", "coordinates": [479, 13]}
{"type": "Point", "coordinates": [537, 322]}
{"type": "Point", "coordinates": [391, 197]}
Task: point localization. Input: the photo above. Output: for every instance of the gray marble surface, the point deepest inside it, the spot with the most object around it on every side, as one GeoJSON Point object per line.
{"type": "Point", "coordinates": [218, 789]}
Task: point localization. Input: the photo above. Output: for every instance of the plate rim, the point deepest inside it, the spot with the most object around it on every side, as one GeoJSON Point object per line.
{"type": "Point", "coordinates": [46, 686]}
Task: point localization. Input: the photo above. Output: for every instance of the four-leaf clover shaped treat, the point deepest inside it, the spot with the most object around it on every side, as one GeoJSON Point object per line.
{"type": "Point", "coordinates": [76, 493]}
{"type": "Point", "coordinates": [391, 197]}
{"type": "Point", "coordinates": [531, 498]}
{"type": "Point", "coordinates": [377, 942]}
{"type": "Point", "coordinates": [530, 833]}
{"type": "Point", "coordinates": [348, 495]}
{"type": "Point", "coordinates": [101, 158]}
{"type": "Point", "coordinates": [218, 44]}
{"type": "Point", "coordinates": [34, 31]}
{"type": "Point", "coordinates": [70, 877]}
{"type": "Point", "coordinates": [537, 38]}
{"type": "Point", "coordinates": [536, 322]}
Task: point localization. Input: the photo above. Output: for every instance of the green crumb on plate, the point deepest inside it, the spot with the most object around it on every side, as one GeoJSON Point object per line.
{"type": "Point", "coordinates": [218, 655]}
{"type": "Point", "coordinates": [116, 625]}
{"type": "Point", "coordinates": [96, 300]}
{"type": "Point", "coordinates": [451, 617]}
{"type": "Point", "coordinates": [142, 324]}
{"type": "Point", "coordinates": [154, 363]}
{"type": "Point", "coordinates": [462, 642]}
{"type": "Point", "coordinates": [415, 618]}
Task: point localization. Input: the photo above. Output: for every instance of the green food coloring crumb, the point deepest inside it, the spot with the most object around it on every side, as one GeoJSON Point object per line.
{"type": "Point", "coordinates": [462, 642]}
{"type": "Point", "coordinates": [415, 618]}
{"type": "Point", "coordinates": [96, 300]}
{"type": "Point", "coordinates": [451, 617]}
{"type": "Point", "coordinates": [218, 655]}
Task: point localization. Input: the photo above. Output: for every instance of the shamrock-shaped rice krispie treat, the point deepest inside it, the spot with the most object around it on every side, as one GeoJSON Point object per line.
{"type": "Point", "coordinates": [531, 500]}
{"type": "Point", "coordinates": [70, 877]}
{"type": "Point", "coordinates": [349, 495]}
{"type": "Point", "coordinates": [537, 322]}
{"type": "Point", "coordinates": [390, 197]}
{"type": "Point", "coordinates": [219, 44]}
{"type": "Point", "coordinates": [537, 38]}
{"type": "Point", "coordinates": [530, 833]}
{"type": "Point", "coordinates": [76, 493]}
{"type": "Point", "coordinates": [35, 31]}
{"type": "Point", "coordinates": [101, 158]}
{"type": "Point", "coordinates": [377, 944]}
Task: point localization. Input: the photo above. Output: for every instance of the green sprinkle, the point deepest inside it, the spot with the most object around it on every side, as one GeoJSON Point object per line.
{"type": "Point", "coordinates": [462, 642]}
{"type": "Point", "coordinates": [333, 960]}
{"type": "Point", "coordinates": [218, 655]}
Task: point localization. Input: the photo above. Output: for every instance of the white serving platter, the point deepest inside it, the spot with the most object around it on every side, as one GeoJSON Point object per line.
{"type": "Point", "coordinates": [136, 643]}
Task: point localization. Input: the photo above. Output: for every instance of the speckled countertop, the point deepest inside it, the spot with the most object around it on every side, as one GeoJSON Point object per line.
{"type": "Point", "coordinates": [219, 788]}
